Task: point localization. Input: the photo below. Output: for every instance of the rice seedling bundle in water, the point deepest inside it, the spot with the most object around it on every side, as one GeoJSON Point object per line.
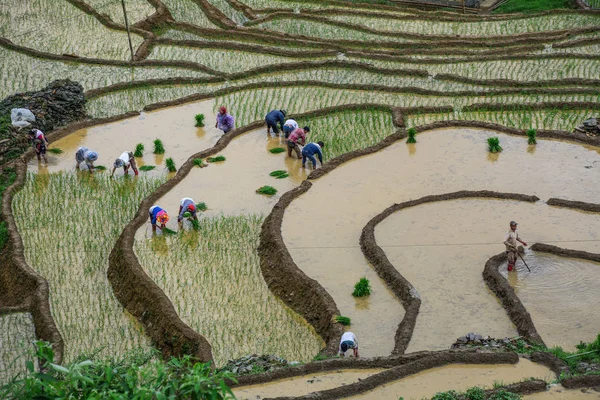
{"type": "Point", "coordinates": [198, 162]}
{"type": "Point", "coordinates": [100, 167]}
{"type": "Point", "coordinates": [55, 150]}
{"type": "Point", "coordinates": [279, 174]}
{"type": "Point", "coordinates": [216, 159]}
{"type": "Point", "coordinates": [343, 320]}
{"type": "Point", "coordinates": [411, 136]}
{"type": "Point", "coordinates": [170, 164]}
{"type": "Point", "coordinates": [139, 150]}
{"type": "Point", "coordinates": [158, 147]}
{"type": "Point", "coordinates": [267, 190]}
{"type": "Point", "coordinates": [277, 150]}
{"type": "Point", "coordinates": [494, 145]}
{"type": "Point", "coordinates": [147, 167]}
{"type": "Point", "coordinates": [168, 231]}
{"type": "Point", "coordinates": [201, 206]}
{"type": "Point", "coordinates": [362, 288]}
{"type": "Point", "coordinates": [199, 120]}
{"type": "Point", "coordinates": [531, 136]}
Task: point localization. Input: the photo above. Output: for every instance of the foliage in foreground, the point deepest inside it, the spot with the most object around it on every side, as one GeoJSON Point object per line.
{"type": "Point", "coordinates": [531, 6]}
{"type": "Point", "coordinates": [139, 377]}
{"type": "Point", "coordinates": [362, 288]}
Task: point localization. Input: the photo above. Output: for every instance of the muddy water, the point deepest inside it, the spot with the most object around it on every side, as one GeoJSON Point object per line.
{"type": "Point", "coordinates": [558, 392]}
{"type": "Point", "coordinates": [457, 377]}
{"type": "Point", "coordinates": [173, 126]}
{"type": "Point", "coordinates": [558, 293]}
{"type": "Point", "coordinates": [303, 385]}
{"type": "Point", "coordinates": [322, 227]}
{"type": "Point", "coordinates": [441, 248]}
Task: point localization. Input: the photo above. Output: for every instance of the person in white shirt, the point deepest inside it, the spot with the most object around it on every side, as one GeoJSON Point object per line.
{"type": "Point", "coordinates": [125, 160]}
{"type": "Point", "coordinates": [289, 126]}
{"type": "Point", "coordinates": [510, 241]}
{"type": "Point", "coordinates": [348, 341]}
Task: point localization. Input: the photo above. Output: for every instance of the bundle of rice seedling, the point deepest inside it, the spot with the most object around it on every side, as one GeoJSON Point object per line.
{"type": "Point", "coordinates": [147, 167]}
{"type": "Point", "coordinates": [362, 288]}
{"type": "Point", "coordinates": [199, 163]}
{"type": "Point", "coordinates": [279, 174]}
{"type": "Point", "coordinates": [411, 135]}
{"type": "Point", "coordinates": [55, 150]}
{"type": "Point", "coordinates": [342, 320]}
{"type": "Point", "coordinates": [170, 164]}
{"type": "Point", "coordinates": [531, 134]}
{"type": "Point", "coordinates": [139, 150]}
{"type": "Point", "coordinates": [494, 145]}
{"type": "Point", "coordinates": [168, 231]}
{"type": "Point", "coordinates": [268, 190]}
{"type": "Point", "coordinates": [158, 147]}
{"type": "Point", "coordinates": [100, 167]}
{"type": "Point", "coordinates": [277, 150]}
{"type": "Point", "coordinates": [201, 206]}
{"type": "Point", "coordinates": [199, 120]}
{"type": "Point", "coordinates": [216, 159]}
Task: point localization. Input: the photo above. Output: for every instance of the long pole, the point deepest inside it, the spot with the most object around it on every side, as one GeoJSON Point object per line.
{"type": "Point", "coordinates": [524, 261]}
{"type": "Point", "coordinates": [127, 26]}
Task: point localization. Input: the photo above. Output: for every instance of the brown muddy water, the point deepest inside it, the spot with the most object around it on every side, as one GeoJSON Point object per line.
{"type": "Point", "coordinates": [457, 377]}
{"type": "Point", "coordinates": [322, 227]}
{"type": "Point", "coordinates": [303, 385]}
{"type": "Point", "coordinates": [558, 392]}
{"type": "Point", "coordinates": [442, 248]}
{"type": "Point", "coordinates": [173, 126]}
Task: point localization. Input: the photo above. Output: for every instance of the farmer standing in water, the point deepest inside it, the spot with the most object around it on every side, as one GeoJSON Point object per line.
{"type": "Point", "coordinates": [187, 205]}
{"type": "Point", "coordinates": [510, 241]}
{"type": "Point", "coordinates": [158, 216]}
{"type": "Point", "coordinates": [125, 160]}
{"type": "Point", "coordinates": [87, 155]}
{"type": "Point", "coordinates": [225, 121]}
{"type": "Point", "coordinates": [273, 118]}
{"type": "Point", "coordinates": [40, 144]}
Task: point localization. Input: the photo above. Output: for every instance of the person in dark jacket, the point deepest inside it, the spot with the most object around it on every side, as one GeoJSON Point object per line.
{"type": "Point", "coordinates": [273, 118]}
{"type": "Point", "coordinates": [309, 152]}
{"type": "Point", "coordinates": [40, 144]}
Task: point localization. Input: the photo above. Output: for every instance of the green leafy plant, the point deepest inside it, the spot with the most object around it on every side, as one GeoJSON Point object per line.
{"type": "Point", "coordinates": [139, 150]}
{"type": "Point", "coordinates": [362, 288]}
{"type": "Point", "coordinates": [55, 150]}
{"type": "Point", "coordinates": [168, 231]}
{"type": "Point", "coordinates": [268, 190]}
{"type": "Point", "coordinates": [276, 150]}
{"type": "Point", "coordinates": [216, 159]}
{"type": "Point", "coordinates": [279, 174]}
{"type": "Point", "coordinates": [531, 134]}
{"type": "Point", "coordinates": [201, 206]}
{"type": "Point", "coordinates": [411, 135]}
{"type": "Point", "coordinates": [199, 120]}
{"type": "Point", "coordinates": [449, 395]}
{"type": "Point", "coordinates": [475, 393]}
{"type": "Point", "coordinates": [504, 395]}
{"type": "Point", "coordinates": [100, 167]}
{"type": "Point", "coordinates": [199, 163]}
{"type": "Point", "coordinates": [342, 320]}
{"type": "Point", "coordinates": [494, 145]}
{"type": "Point", "coordinates": [170, 164]}
{"type": "Point", "coordinates": [158, 147]}
{"type": "Point", "coordinates": [147, 167]}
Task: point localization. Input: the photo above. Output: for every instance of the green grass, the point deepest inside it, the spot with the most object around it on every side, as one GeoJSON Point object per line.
{"type": "Point", "coordinates": [201, 206]}
{"type": "Point", "coordinates": [342, 320]}
{"type": "Point", "coordinates": [268, 190]}
{"type": "Point", "coordinates": [476, 393]}
{"type": "Point", "coordinates": [147, 167]}
{"type": "Point", "coordinates": [531, 6]}
{"type": "Point", "coordinates": [216, 159]}
{"type": "Point", "coordinates": [170, 164]}
{"type": "Point", "coordinates": [494, 145]}
{"type": "Point", "coordinates": [277, 150]}
{"type": "Point", "coordinates": [531, 134]}
{"type": "Point", "coordinates": [55, 150]}
{"type": "Point", "coordinates": [139, 150]}
{"type": "Point", "coordinates": [198, 162]}
{"type": "Point", "coordinates": [168, 231]}
{"type": "Point", "coordinates": [199, 120]}
{"type": "Point", "coordinates": [158, 147]}
{"type": "Point", "coordinates": [411, 135]}
{"type": "Point", "coordinates": [362, 288]}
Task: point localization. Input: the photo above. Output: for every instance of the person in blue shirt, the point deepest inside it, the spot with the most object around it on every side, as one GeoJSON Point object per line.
{"type": "Point", "coordinates": [158, 216]}
{"type": "Point", "coordinates": [309, 152]}
{"type": "Point", "coordinates": [273, 118]}
{"type": "Point", "coordinates": [186, 205]}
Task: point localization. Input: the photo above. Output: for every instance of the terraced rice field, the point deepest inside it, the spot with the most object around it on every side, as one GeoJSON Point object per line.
{"type": "Point", "coordinates": [269, 274]}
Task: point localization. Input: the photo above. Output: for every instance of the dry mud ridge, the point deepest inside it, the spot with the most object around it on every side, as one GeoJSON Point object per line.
{"type": "Point", "coordinates": [268, 275]}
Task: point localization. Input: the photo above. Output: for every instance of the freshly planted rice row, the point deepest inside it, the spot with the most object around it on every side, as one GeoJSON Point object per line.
{"type": "Point", "coordinates": [17, 334]}
{"type": "Point", "coordinates": [137, 10]}
{"type": "Point", "coordinates": [234, 15]}
{"type": "Point", "coordinates": [69, 223]}
{"type": "Point", "coordinates": [213, 278]}
{"type": "Point", "coordinates": [188, 11]}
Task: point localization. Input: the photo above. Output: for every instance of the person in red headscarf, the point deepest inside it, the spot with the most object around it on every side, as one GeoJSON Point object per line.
{"type": "Point", "coordinates": [225, 121]}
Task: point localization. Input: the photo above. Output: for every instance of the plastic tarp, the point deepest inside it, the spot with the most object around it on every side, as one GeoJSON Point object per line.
{"type": "Point", "coordinates": [21, 117]}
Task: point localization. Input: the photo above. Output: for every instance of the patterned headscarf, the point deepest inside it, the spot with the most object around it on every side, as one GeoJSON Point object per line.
{"type": "Point", "coordinates": [162, 217]}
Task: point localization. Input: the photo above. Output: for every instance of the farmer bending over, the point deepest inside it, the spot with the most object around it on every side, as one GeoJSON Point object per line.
{"type": "Point", "coordinates": [297, 139]}
{"type": "Point", "coordinates": [510, 241]}
{"type": "Point", "coordinates": [289, 127]}
{"type": "Point", "coordinates": [225, 122]}
{"type": "Point", "coordinates": [85, 154]}
{"type": "Point", "coordinates": [186, 205]}
{"type": "Point", "coordinates": [125, 160]}
{"type": "Point", "coordinates": [158, 215]}
{"type": "Point", "coordinates": [40, 143]}
{"type": "Point", "coordinates": [348, 341]}
{"type": "Point", "coordinates": [273, 118]}
{"type": "Point", "coordinates": [310, 150]}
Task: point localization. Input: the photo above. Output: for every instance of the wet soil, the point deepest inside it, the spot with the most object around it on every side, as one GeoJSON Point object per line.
{"type": "Point", "coordinates": [558, 392]}
{"type": "Point", "coordinates": [322, 227]}
{"type": "Point", "coordinates": [457, 377]}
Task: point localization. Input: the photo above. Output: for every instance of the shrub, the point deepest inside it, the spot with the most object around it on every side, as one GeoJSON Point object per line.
{"type": "Point", "coordinates": [268, 190]}
{"type": "Point", "coordinates": [449, 395]}
{"type": "Point", "coordinates": [199, 120]}
{"type": "Point", "coordinates": [411, 136]}
{"type": "Point", "coordinates": [362, 288]}
{"type": "Point", "coordinates": [170, 164]}
{"type": "Point", "coordinates": [531, 134]}
{"type": "Point", "coordinates": [504, 395]}
{"type": "Point", "coordinates": [55, 151]}
{"type": "Point", "coordinates": [139, 150]}
{"type": "Point", "coordinates": [201, 206]}
{"type": "Point", "coordinates": [216, 159]}
{"type": "Point", "coordinates": [475, 393]}
{"type": "Point", "coordinates": [147, 167]}
{"type": "Point", "coordinates": [277, 150]}
{"type": "Point", "coordinates": [198, 162]}
{"type": "Point", "coordinates": [342, 320]}
{"type": "Point", "coordinates": [494, 145]}
{"type": "Point", "coordinates": [158, 147]}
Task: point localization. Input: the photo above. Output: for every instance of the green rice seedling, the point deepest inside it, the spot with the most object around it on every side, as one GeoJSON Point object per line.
{"type": "Point", "coordinates": [100, 167]}
{"type": "Point", "coordinates": [199, 120]}
{"type": "Point", "coordinates": [147, 167]}
{"type": "Point", "coordinates": [362, 288]}
{"type": "Point", "coordinates": [282, 176]}
{"type": "Point", "coordinates": [531, 134]}
{"type": "Point", "coordinates": [342, 320]}
{"type": "Point", "coordinates": [201, 206]}
{"type": "Point", "coordinates": [411, 135]}
{"type": "Point", "coordinates": [277, 150]}
{"type": "Point", "coordinates": [199, 163]}
{"type": "Point", "coordinates": [170, 164]}
{"type": "Point", "coordinates": [168, 231]}
{"type": "Point", "coordinates": [187, 214]}
{"type": "Point", "coordinates": [158, 147]}
{"type": "Point", "coordinates": [494, 145]}
{"type": "Point", "coordinates": [139, 150]}
{"type": "Point", "coordinates": [195, 224]}
{"type": "Point", "coordinates": [216, 159]}
{"type": "Point", "coordinates": [55, 150]}
{"type": "Point", "coordinates": [278, 173]}
{"type": "Point", "coordinates": [267, 190]}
